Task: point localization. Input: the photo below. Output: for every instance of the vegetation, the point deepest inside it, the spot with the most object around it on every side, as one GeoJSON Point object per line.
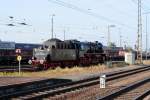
{"type": "Point", "coordinates": [146, 62]}
{"type": "Point", "coordinates": [64, 71]}
{"type": "Point", "coordinates": [112, 44]}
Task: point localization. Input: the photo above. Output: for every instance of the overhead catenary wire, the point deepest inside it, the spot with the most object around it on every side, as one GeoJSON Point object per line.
{"type": "Point", "coordinates": [121, 12]}
{"type": "Point", "coordinates": [71, 6]}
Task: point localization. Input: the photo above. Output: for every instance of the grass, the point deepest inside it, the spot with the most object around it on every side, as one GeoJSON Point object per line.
{"type": "Point", "coordinates": [146, 62]}
{"type": "Point", "coordinates": [64, 71]}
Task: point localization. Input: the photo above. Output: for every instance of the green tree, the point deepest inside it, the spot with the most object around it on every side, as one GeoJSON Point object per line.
{"type": "Point", "coordinates": [112, 44]}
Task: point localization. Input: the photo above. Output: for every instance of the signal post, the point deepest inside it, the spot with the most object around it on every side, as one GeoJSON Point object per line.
{"type": "Point", "coordinates": [19, 58]}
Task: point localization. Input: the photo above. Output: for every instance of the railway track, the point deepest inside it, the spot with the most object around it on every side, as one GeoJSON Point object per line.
{"type": "Point", "coordinates": [47, 91]}
{"type": "Point", "coordinates": [15, 68]}
{"type": "Point", "coordinates": [143, 95]}
{"type": "Point", "coordinates": [94, 92]}
{"type": "Point", "coordinates": [135, 91]}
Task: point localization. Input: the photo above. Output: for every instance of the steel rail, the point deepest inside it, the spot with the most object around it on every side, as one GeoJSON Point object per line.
{"type": "Point", "coordinates": [142, 96]}
{"type": "Point", "coordinates": [124, 90]}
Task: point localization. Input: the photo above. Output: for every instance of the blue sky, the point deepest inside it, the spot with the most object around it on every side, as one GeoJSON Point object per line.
{"type": "Point", "coordinates": [78, 24]}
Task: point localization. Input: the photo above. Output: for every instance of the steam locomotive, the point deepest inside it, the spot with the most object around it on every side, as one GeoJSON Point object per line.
{"type": "Point", "coordinates": [55, 52]}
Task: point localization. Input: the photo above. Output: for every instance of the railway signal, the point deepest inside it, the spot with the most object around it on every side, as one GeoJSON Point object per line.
{"type": "Point", "coordinates": [19, 58]}
{"type": "Point", "coordinates": [18, 51]}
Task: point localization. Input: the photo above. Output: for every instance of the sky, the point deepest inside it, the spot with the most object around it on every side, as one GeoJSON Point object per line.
{"type": "Point", "coordinates": [84, 20]}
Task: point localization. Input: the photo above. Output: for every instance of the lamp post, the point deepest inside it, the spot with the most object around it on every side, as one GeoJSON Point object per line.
{"type": "Point", "coordinates": [102, 37]}
{"type": "Point", "coordinates": [146, 18]}
{"type": "Point", "coordinates": [146, 36]}
{"type": "Point", "coordinates": [64, 34]}
{"type": "Point", "coordinates": [109, 41]}
{"type": "Point", "coordinates": [52, 29]}
{"type": "Point", "coordinates": [120, 36]}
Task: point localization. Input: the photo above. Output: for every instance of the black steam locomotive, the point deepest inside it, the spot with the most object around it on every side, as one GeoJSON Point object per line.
{"type": "Point", "coordinates": [55, 52]}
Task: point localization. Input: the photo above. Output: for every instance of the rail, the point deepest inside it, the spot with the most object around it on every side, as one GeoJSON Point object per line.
{"type": "Point", "coordinates": [124, 90]}
{"type": "Point", "coordinates": [143, 95]}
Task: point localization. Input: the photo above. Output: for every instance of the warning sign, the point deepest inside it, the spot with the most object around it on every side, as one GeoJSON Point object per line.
{"type": "Point", "coordinates": [19, 58]}
{"type": "Point", "coordinates": [102, 81]}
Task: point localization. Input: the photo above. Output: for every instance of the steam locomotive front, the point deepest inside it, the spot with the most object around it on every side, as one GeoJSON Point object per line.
{"type": "Point", "coordinates": [40, 54]}
{"type": "Point", "coordinates": [43, 54]}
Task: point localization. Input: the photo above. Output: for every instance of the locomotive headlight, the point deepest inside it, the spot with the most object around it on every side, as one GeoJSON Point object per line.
{"type": "Point", "coordinates": [30, 62]}
{"type": "Point", "coordinates": [32, 58]}
{"type": "Point", "coordinates": [41, 61]}
{"type": "Point", "coordinates": [35, 49]}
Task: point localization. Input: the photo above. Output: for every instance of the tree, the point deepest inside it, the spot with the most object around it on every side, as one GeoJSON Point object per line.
{"type": "Point", "coordinates": [112, 44]}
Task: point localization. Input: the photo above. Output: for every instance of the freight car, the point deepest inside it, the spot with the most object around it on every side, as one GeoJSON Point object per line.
{"type": "Point", "coordinates": [114, 53]}
{"type": "Point", "coordinates": [6, 49]}
{"type": "Point", "coordinates": [55, 52]}
{"type": "Point", "coordinates": [8, 52]}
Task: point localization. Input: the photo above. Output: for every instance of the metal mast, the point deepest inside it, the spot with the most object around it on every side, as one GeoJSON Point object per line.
{"type": "Point", "coordinates": [139, 39]}
{"type": "Point", "coordinates": [108, 43]}
{"type": "Point", "coordinates": [109, 40]}
{"type": "Point", "coordinates": [64, 34]}
{"type": "Point", "coordinates": [120, 36]}
{"type": "Point", "coordinates": [146, 37]}
{"type": "Point", "coordinates": [52, 29]}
